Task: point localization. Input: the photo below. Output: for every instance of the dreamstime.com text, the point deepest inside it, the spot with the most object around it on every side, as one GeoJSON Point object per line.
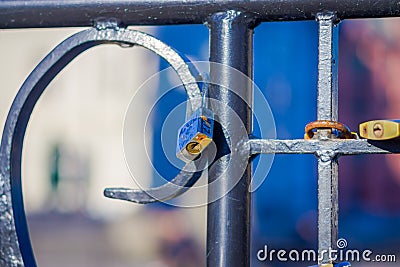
{"type": "Point", "coordinates": [337, 255]}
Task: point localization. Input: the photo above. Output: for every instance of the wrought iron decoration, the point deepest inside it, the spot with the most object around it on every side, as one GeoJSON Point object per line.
{"type": "Point", "coordinates": [15, 247]}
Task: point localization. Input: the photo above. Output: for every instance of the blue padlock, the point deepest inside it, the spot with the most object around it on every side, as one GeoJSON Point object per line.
{"type": "Point", "coordinates": [342, 264]}
{"type": "Point", "coordinates": [195, 135]}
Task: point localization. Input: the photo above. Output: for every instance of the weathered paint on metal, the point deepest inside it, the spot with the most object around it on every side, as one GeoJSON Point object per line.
{"type": "Point", "coordinates": [327, 109]}
{"type": "Point", "coordinates": [48, 13]}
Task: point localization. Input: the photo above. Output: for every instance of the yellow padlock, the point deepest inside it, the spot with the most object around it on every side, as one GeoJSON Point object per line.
{"type": "Point", "coordinates": [380, 129]}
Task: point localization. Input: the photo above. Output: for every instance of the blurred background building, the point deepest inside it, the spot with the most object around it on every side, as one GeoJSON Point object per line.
{"type": "Point", "coordinates": [74, 146]}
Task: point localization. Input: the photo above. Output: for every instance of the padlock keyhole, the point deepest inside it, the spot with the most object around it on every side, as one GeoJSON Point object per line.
{"type": "Point", "coordinates": [378, 130]}
{"type": "Point", "coordinates": [193, 148]}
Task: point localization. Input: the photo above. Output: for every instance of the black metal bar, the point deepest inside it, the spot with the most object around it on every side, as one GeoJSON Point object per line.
{"type": "Point", "coordinates": [50, 13]}
{"type": "Point", "coordinates": [228, 223]}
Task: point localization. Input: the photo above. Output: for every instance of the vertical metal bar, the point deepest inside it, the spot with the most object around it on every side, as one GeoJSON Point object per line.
{"type": "Point", "coordinates": [327, 67]}
{"type": "Point", "coordinates": [327, 109]}
{"type": "Point", "coordinates": [228, 222]}
{"type": "Point", "coordinates": [327, 206]}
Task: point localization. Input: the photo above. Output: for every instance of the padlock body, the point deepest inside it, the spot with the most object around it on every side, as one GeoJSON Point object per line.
{"type": "Point", "coordinates": [380, 129]}
{"type": "Point", "coordinates": [195, 135]}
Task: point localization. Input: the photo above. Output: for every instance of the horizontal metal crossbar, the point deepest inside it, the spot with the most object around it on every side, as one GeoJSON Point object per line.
{"type": "Point", "coordinates": [337, 147]}
{"type": "Point", "coordinates": [49, 13]}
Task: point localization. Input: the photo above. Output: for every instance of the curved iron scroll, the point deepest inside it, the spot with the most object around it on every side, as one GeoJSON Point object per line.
{"type": "Point", "coordinates": [15, 247]}
{"type": "Point", "coordinates": [176, 187]}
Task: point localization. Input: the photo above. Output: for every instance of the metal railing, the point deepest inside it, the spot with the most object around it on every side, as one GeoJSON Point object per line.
{"type": "Point", "coordinates": [231, 24]}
